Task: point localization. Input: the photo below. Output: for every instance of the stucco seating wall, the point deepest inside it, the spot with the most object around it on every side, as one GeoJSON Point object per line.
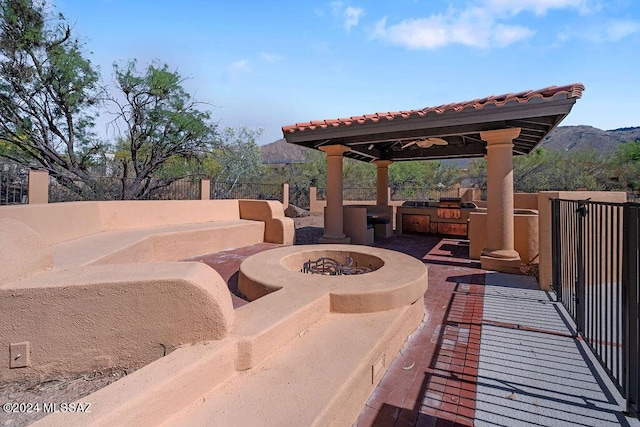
{"type": "Point", "coordinates": [91, 285]}
{"type": "Point", "coordinates": [308, 350]}
{"type": "Point", "coordinates": [81, 233]}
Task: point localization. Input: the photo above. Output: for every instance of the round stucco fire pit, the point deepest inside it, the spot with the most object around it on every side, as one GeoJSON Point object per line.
{"type": "Point", "coordinates": [384, 279]}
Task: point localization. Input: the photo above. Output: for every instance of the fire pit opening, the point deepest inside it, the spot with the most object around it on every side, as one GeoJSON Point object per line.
{"type": "Point", "coordinates": [332, 263]}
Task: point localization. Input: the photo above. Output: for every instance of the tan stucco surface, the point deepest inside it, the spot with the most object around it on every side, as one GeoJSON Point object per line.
{"type": "Point", "coordinates": [19, 261]}
{"type": "Point", "coordinates": [109, 295]}
{"type": "Point", "coordinates": [278, 228]}
{"type": "Point", "coordinates": [292, 357]}
{"type": "Point", "coordinates": [82, 319]}
{"type": "Point", "coordinates": [525, 234]}
{"type": "Point", "coordinates": [170, 243]}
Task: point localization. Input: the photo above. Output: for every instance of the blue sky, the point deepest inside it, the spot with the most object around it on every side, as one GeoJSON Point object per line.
{"type": "Point", "coordinates": [273, 63]}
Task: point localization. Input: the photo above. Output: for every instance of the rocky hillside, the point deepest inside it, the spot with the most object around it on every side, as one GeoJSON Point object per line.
{"type": "Point", "coordinates": [581, 138]}
{"type": "Point", "coordinates": [280, 152]}
{"type": "Point", "coordinates": [563, 138]}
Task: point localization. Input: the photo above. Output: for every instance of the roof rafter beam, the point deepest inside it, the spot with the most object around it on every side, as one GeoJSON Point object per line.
{"type": "Point", "coordinates": [439, 152]}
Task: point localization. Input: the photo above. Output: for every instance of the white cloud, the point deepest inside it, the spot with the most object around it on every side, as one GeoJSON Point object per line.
{"type": "Point", "coordinates": [350, 15]}
{"type": "Point", "coordinates": [237, 68]}
{"type": "Point", "coordinates": [618, 30]}
{"type": "Point", "coordinates": [439, 31]}
{"type": "Point", "coordinates": [540, 7]}
{"type": "Point", "coordinates": [270, 57]}
{"type": "Point", "coordinates": [485, 24]}
{"type": "Point", "coordinates": [612, 31]}
{"type": "Point", "coordinates": [240, 65]}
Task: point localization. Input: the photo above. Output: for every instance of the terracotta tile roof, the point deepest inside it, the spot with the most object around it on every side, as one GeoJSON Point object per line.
{"type": "Point", "coordinates": [570, 91]}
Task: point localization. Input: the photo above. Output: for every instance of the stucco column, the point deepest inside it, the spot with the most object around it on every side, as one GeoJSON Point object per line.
{"type": "Point", "coordinates": [205, 189]}
{"type": "Point", "coordinates": [382, 182]}
{"type": "Point", "coordinates": [500, 254]}
{"type": "Point", "coordinates": [38, 187]}
{"type": "Point", "coordinates": [333, 222]}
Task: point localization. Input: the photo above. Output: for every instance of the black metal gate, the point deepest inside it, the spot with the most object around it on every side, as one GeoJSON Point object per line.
{"type": "Point", "coordinates": [595, 275]}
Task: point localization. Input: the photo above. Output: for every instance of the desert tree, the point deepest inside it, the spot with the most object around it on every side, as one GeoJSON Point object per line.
{"type": "Point", "coordinates": [159, 124]}
{"type": "Point", "coordinates": [48, 93]}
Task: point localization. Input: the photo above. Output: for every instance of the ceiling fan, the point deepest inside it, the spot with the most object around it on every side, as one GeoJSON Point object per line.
{"type": "Point", "coordinates": [426, 142]}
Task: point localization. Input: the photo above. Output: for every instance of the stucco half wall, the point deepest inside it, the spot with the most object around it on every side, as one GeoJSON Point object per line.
{"type": "Point", "coordinates": [85, 318]}
{"type": "Point", "coordinates": [78, 318]}
{"type": "Point", "coordinates": [61, 222]}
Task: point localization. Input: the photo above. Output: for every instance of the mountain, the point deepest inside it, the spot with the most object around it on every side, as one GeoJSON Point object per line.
{"type": "Point", "coordinates": [281, 152]}
{"type": "Point", "coordinates": [563, 138]}
{"type": "Point", "coordinates": [581, 138]}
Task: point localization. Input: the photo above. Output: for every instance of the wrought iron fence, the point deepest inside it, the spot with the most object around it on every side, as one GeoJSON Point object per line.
{"type": "Point", "coordinates": [113, 188]}
{"type": "Point", "coordinates": [14, 186]}
{"type": "Point", "coordinates": [595, 251]}
{"type": "Point", "coordinates": [349, 193]}
{"type": "Point", "coordinates": [299, 196]}
{"type": "Point", "coordinates": [422, 193]}
{"type": "Point", "coordinates": [246, 190]}
{"type": "Point", "coordinates": [397, 193]}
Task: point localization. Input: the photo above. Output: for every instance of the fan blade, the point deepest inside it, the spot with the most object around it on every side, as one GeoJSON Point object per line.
{"type": "Point", "coordinates": [437, 141]}
{"type": "Point", "coordinates": [409, 144]}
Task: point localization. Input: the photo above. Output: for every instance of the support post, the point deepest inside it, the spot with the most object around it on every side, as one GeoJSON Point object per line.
{"type": "Point", "coordinates": [382, 182]}
{"type": "Point", "coordinates": [333, 220]}
{"type": "Point", "coordinates": [500, 255]}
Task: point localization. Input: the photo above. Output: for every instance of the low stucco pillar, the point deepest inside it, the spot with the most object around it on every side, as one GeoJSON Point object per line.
{"type": "Point", "coordinates": [500, 255]}
{"type": "Point", "coordinates": [382, 182]}
{"type": "Point", "coordinates": [285, 194]}
{"type": "Point", "coordinates": [333, 221]}
{"type": "Point", "coordinates": [38, 187]}
{"type": "Point", "coordinates": [205, 189]}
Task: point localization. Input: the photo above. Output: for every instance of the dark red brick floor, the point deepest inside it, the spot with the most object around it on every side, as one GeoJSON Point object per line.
{"type": "Point", "coordinates": [432, 382]}
{"type": "Point", "coordinates": [227, 264]}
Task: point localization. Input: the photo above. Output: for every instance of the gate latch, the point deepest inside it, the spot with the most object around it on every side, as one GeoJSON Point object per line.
{"type": "Point", "coordinates": [583, 210]}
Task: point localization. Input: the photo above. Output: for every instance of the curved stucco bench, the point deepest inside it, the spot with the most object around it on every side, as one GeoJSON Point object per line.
{"type": "Point", "coordinates": [79, 319]}
{"type": "Point", "coordinates": [82, 233]}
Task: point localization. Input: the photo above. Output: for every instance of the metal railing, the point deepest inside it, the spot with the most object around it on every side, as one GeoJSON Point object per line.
{"type": "Point", "coordinates": [422, 193]}
{"type": "Point", "coordinates": [246, 190]}
{"type": "Point", "coordinates": [595, 248]}
{"type": "Point", "coordinates": [14, 187]}
{"type": "Point", "coordinates": [350, 193]}
{"type": "Point", "coordinates": [108, 188]}
{"type": "Point", "coordinates": [397, 193]}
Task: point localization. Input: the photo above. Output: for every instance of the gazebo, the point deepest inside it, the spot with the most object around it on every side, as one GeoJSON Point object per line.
{"type": "Point", "coordinates": [497, 127]}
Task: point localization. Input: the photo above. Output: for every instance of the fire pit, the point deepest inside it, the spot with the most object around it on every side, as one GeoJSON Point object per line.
{"type": "Point", "coordinates": [391, 279]}
{"type": "Point", "coordinates": [332, 267]}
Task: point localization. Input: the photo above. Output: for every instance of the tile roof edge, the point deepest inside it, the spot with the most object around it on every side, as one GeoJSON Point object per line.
{"type": "Point", "coordinates": [571, 91]}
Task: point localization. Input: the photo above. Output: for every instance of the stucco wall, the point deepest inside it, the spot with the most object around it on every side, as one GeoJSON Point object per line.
{"type": "Point", "coordinates": [82, 318]}
{"type": "Point", "coordinates": [88, 318]}
{"type": "Point", "coordinates": [278, 228]}
{"type": "Point", "coordinates": [19, 261]}
{"type": "Point", "coordinates": [525, 235]}
{"type": "Point", "coordinates": [61, 222]}
{"type": "Point", "coordinates": [57, 222]}
{"type": "Point", "coordinates": [128, 214]}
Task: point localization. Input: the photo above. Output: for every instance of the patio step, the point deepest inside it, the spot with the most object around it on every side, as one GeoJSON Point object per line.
{"type": "Point", "coordinates": [314, 380]}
